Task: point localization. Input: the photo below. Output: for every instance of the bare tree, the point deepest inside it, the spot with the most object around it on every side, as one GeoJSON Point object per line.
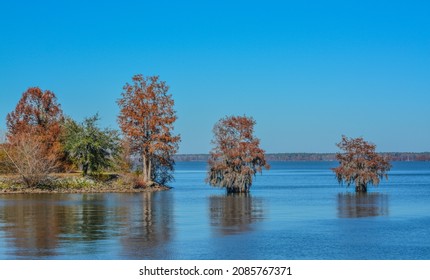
{"type": "Point", "coordinates": [28, 159]}
{"type": "Point", "coordinates": [5, 164]}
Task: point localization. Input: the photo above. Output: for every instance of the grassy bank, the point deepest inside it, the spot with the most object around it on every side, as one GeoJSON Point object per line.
{"type": "Point", "coordinates": [76, 183]}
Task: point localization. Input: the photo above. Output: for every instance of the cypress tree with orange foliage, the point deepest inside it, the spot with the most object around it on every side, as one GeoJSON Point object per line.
{"type": "Point", "coordinates": [237, 155]}
{"type": "Point", "coordinates": [359, 164]}
{"type": "Point", "coordinates": [146, 119]}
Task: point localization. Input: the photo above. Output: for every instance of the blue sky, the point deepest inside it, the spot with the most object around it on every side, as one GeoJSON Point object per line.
{"type": "Point", "coordinates": [307, 71]}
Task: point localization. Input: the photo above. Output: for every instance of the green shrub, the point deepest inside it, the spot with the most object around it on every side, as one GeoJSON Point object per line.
{"type": "Point", "coordinates": [3, 185]}
{"type": "Point", "coordinates": [73, 183]}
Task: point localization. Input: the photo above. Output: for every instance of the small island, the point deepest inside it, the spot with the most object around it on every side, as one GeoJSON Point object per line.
{"type": "Point", "coordinates": [47, 151]}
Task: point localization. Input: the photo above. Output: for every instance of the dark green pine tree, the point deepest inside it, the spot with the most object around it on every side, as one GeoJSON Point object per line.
{"type": "Point", "coordinates": [89, 147]}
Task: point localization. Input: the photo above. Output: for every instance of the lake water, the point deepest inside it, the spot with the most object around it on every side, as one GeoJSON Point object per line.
{"type": "Point", "coordinates": [295, 211]}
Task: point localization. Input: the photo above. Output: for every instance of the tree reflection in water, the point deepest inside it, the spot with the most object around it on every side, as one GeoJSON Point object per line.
{"type": "Point", "coordinates": [149, 226]}
{"type": "Point", "coordinates": [360, 205]}
{"type": "Point", "coordinates": [235, 213]}
{"type": "Point", "coordinates": [37, 225]}
{"type": "Point", "coordinates": [33, 226]}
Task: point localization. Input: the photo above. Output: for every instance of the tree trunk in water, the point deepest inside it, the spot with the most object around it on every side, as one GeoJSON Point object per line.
{"type": "Point", "coordinates": [361, 188]}
{"type": "Point", "coordinates": [236, 189]}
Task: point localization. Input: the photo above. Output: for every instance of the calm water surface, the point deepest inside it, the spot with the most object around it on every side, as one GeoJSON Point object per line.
{"type": "Point", "coordinates": [295, 211]}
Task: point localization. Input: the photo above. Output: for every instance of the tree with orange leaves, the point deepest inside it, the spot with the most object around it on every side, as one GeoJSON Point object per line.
{"type": "Point", "coordinates": [236, 157]}
{"type": "Point", "coordinates": [37, 114]}
{"type": "Point", "coordinates": [360, 164]}
{"type": "Point", "coordinates": [146, 119]}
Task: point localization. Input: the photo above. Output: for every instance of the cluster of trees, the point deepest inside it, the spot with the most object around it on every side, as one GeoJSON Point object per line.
{"type": "Point", "coordinates": [237, 157]}
{"type": "Point", "coordinates": [40, 140]}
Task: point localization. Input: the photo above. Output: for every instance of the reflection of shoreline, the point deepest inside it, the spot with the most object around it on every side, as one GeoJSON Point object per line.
{"type": "Point", "coordinates": [360, 205]}
{"type": "Point", "coordinates": [234, 213]}
{"type": "Point", "coordinates": [40, 226]}
{"type": "Point", "coordinates": [37, 224]}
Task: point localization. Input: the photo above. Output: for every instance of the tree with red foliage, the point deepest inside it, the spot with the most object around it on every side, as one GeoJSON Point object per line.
{"type": "Point", "coordinates": [360, 164]}
{"type": "Point", "coordinates": [146, 120]}
{"type": "Point", "coordinates": [236, 157]}
{"type": "Point", "coordinates": [37, 113]}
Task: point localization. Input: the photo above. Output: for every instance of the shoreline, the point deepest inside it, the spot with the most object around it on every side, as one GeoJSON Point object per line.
{"type": "Point", "coordinates": [81, 191]}
{"type": "Point", "coordinates": [42, 191]}
{"type": "Point", "coordinates": [75, 183]}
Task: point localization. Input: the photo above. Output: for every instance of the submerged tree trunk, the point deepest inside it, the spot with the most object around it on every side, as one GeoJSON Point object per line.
{"type": "Point", "coordinates": [236, 189]}
{"type": "Point", "coordinates": [362, 188]}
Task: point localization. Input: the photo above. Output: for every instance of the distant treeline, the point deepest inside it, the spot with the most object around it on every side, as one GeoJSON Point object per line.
{"type": "Point", "coordinates": [400, 156]}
